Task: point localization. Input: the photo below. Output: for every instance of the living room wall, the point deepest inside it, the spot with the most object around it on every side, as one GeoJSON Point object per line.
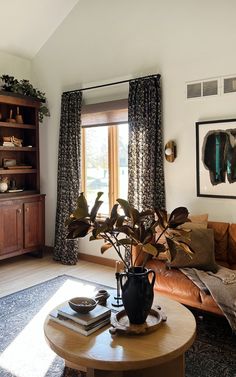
{"type": "Point", "coordinates": [109, 40]}
{"type": "Point", "coordinates": [15, 66]}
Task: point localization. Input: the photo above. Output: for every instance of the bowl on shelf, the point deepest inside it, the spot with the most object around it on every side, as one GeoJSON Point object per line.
{"type": "Point", "coordinates": [82, 304]}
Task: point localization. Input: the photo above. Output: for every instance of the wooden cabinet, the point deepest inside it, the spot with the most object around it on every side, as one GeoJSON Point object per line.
{"type": "Point", "coordinates": [21, 225]}
{"type": "Point", "coordinates": [11, 229]}
{"type": "Point", "coordinates": [21, 206]}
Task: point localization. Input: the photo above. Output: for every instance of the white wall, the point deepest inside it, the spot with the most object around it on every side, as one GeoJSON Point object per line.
{"type": "Point", "coordinates": [12, 65]}
{"type": "Point", "coordinates": [106, 40]}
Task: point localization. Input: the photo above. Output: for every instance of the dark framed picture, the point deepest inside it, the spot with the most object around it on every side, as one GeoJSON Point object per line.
{"type": "Point", "coordinates": [216, 158]}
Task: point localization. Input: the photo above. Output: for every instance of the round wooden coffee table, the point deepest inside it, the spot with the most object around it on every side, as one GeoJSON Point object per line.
{"type": "Point", "coordinates": [159, 354]}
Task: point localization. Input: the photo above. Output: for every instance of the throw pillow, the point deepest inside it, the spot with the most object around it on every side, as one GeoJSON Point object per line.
{"type": "Point", "coordinates": [197, 222]}
{"type": "Point", "coordinates": [202, 242]}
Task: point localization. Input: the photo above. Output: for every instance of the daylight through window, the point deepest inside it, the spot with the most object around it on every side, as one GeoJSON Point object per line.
{"type": "Point", "coordinates": [105, 155]}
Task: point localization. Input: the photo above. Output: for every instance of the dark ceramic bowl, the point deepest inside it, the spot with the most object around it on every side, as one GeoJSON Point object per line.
{"type": "Point", "coordinates": [82, 304]}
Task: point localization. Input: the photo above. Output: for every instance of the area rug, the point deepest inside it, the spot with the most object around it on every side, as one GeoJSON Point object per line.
{"type": "Point", "coordinates": [24, 352]}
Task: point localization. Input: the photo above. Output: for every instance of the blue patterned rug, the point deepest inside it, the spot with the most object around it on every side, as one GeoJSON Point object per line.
{"type": "Point", "coordinates": [213, 354]}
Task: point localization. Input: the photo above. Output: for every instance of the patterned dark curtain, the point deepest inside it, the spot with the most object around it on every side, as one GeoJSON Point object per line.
{"type": "Point", "coordinates": [68, 178]}
{"type": "Point", "coordinates": [146, 187]}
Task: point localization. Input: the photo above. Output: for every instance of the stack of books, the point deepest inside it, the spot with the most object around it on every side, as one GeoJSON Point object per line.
{"type": "Point", "coordinates": [84, 324]}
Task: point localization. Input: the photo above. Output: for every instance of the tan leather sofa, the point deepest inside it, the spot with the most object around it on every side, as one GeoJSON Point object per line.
{"type": "Point", "coordinates": [174, 284]}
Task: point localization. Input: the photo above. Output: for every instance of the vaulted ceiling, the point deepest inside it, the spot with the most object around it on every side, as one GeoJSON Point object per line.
{"type": "Point", "coordinates": [26, 25]}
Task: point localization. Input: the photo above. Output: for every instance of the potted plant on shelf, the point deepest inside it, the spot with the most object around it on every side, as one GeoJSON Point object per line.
{"type": "Point", "coordinates": [131, 234]}
{"type": "Point", "coordinates": [24, 87]}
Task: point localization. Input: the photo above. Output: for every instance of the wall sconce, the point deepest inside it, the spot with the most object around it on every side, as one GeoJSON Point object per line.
{"type": "Point", "coordinates": [170, 151]}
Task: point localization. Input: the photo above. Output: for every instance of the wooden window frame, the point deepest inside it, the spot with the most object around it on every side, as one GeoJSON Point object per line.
{"type": "Point", "coordinates": [107, 114]}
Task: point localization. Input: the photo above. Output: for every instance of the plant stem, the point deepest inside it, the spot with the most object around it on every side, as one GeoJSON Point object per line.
{"type": "Point", "coordinates": [117, 249]}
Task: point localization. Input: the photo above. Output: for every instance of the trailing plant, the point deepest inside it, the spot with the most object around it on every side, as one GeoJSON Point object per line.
{"type": "Point", "coordinates": [24, 87]}
{"type": "Point", "coordinates": [132, 232]}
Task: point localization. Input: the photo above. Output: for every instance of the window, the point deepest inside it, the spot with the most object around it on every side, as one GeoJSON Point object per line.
{"type": "Point", "coordinates": [105, 153]}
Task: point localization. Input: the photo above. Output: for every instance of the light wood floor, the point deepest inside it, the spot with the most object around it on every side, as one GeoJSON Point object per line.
{"type": "Point", "coordinates": [24, 271]}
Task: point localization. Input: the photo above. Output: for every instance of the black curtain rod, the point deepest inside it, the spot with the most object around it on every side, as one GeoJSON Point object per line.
{"type": "Point", "coordinates": [110, 84]}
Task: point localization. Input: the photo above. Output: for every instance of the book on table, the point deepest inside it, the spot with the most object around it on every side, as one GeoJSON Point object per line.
{"type": "Point", "coordinates": [99, 312]}
{"type": "Point", "coordinates": [78, 327]}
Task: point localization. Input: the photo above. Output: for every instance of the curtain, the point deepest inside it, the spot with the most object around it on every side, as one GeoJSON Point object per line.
{"type": "Point", "coordinates": [146, 188]}
{"type": "Point", "coordinates": [69, 172]}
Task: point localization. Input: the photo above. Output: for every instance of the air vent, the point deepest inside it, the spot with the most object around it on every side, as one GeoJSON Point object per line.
{"type": "Point", "coordinates": [230, 85]}
{"type": "Point", "coordinates": [194, 90]}
{"type": "Point", "coordinates": [210, 88]}
{"type": "Point", "coordinates": [202, 89]}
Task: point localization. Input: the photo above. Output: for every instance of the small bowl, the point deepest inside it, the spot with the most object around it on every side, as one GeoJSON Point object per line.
{"type": "Point", "coordinates": [82, 304]}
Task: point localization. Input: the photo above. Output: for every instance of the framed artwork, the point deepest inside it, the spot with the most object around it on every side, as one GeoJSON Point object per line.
{"type": "Point", "coordinates": [216, 158]}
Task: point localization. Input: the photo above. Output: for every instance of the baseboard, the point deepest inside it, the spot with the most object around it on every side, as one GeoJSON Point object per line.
{"type": "Point", "coordinates": [87, 257]}
{"type": "Point", "coordinates": [99, 260]}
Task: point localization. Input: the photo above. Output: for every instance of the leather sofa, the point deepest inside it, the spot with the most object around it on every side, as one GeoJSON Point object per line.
{"type": "Point", "coordinates": [174, 284]}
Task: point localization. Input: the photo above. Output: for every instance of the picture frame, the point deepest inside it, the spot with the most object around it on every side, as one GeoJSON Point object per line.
{"type": "Point", "coordinates": [216, 158]}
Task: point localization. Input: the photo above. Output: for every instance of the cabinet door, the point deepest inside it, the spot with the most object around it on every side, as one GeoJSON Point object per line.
{"type": "Point", "coordinates": [33, 224]}
{"type": "Point", "coordinates": [11, 229]}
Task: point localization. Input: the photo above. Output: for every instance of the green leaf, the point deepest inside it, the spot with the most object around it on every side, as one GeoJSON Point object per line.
{"type": "Point", "coordinates": [124, 241]}
{"type": "Point", "coordinates": [186, 248]}
{"type": "Point", "coordinates": [105, 247]}
{"type": "Point", "coordinates": [134, 214]}
{"type": "Point", "coordinates": [148, 236]}
{"type": "Point", "coordinates": [172, 248]}
{"type": "Point", "coordinates": [99, 194]}
{"type": "Point", "coordinates": [177, 217]}
{"type": "Point", "coordinates": [82, 207]}
{"type": "Point", "coordinates": [120, 221]}
{"type": "Point", "coordinates": [162, 218]}
{"type": "Point", "coordinates": [95, 209]}
{"type": "Point", "coordinates": [160, 247]}
{"type": "Point", "coordinates": [150, 249]}
{"type": "Point", "coordinates": [125, 206]}
{"type": "Point", "coordinates": [78, 229]}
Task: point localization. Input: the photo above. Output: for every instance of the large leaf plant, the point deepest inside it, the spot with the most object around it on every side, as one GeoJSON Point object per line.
{"type": "Point", "coordinates": [132, 232]}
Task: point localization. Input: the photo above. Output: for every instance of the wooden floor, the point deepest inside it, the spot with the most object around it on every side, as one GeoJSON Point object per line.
{"type": "Point", "coordinates": [24, 271]}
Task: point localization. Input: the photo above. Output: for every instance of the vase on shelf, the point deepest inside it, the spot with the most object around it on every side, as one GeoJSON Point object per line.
{"type": "Point", "coordinates": [137, 293]}
{"type": "Point", "coordinates": [3, 186]}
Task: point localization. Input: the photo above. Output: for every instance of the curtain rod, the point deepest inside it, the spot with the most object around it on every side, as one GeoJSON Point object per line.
{"type": "Point", "coordinates": [110, 84]}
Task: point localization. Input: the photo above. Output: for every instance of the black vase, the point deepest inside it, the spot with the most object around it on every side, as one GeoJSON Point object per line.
{"type": "Point", "coordinates": [137, 293]}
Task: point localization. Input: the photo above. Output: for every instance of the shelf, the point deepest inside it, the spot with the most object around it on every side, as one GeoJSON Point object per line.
{"type": "Point", "coordinates": [18, 149]}
{"type": "Point", "coordinates": [5, 195]}
{"type": "Point", "coordinates": [17, 171]}
{"type": "Point", "coordinates": [17, 125]}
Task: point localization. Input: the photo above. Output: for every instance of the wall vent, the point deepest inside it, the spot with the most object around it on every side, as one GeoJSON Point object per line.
{"type": "Point", "coordinates": [210, 88]}
{"type": "Point", "coordinates": [202, 89]}
{"type": "Point", "coordinates": [194, 90]}
{"type": "Point", "coordinates": [230, 85]}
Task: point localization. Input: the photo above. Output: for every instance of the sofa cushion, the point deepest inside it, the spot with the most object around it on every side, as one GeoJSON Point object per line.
{"type": "Point", "coordinates": [197, 222]}
{"type": "Point", "coordinates": [232, 244]}
{"type": "Point", "coordinates": [173, 282]}
{"type": "Point", "coordinates": [221, 239]}
{"type": "Point", "coordinates": [202, 242]}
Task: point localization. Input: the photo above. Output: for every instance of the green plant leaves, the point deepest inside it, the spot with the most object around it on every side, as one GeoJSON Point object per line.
{"type": "Point", "coordinates": [96, 206]}
{"type": "Point", "coordinates": [178, 217]}
{"type": "Point", "coordinates": [134, 228]}
{"type": "Point", "coordinates": [105, 247]}
{"type": "Point", "coordinates": [24, 87]}
{"type": "Point", "coordinates": [78, 229]}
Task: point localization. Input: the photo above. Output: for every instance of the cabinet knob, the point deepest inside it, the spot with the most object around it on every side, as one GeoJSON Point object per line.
{"type": "Point", "coordinates": [27, 209]}
{"type": "Point", "coordinates": [18, 210]}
